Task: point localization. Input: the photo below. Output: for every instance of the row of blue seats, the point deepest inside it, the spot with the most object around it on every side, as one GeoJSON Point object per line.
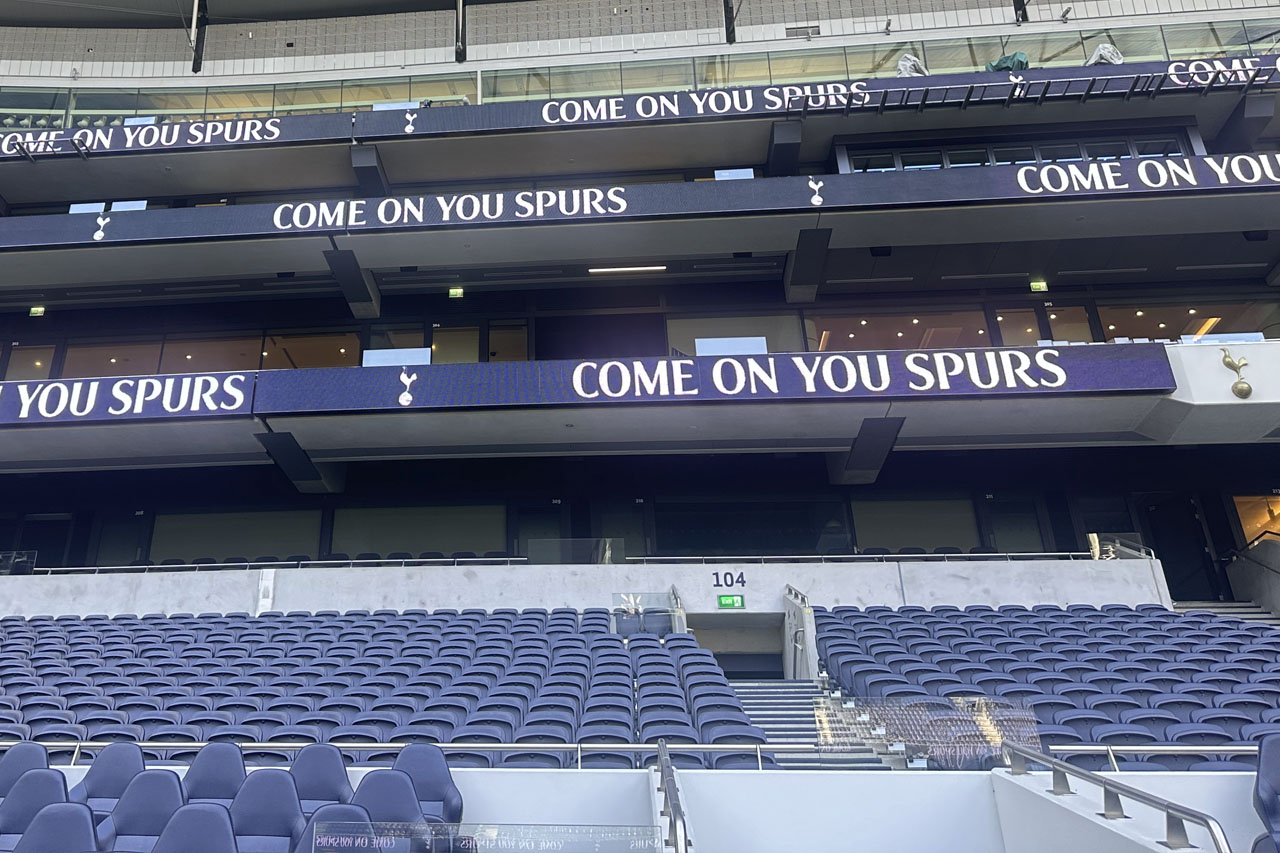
{"type": "Point", "coordinates": [131, 807]}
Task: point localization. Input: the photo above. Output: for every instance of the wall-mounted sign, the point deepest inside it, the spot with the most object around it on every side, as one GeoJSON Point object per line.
{"type": "Point", "coordinates": [730, 602]}
{"type": "Point", "coordinates": [1201, 174]}
{"type": "Point", "coordinates": [1033, 85]}
{"type": "Point", "coordinates": [126, 398]}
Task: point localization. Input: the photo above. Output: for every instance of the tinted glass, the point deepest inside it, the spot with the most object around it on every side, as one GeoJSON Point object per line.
{"type": "Point", "coordinates": [29, 362]}
{"type": "Point", "coordinates": [118, 359]}
{"type": "Point", "coordinates": [922, 329]}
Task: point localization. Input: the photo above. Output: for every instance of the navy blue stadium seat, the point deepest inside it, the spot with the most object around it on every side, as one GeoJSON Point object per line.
{"type": "Point", "coordinates": [60, 828]}
{"type": "Point", "coordinates": [266, 816]}
{"type": "Point", "coordinates": [34, 790]}
{"type": "Point", "coordinates": [18, 759]}
{"type": "Point", "coordinates": [198, 828]}
{"type": "Point", "coordinates": [388, 796]}
{"type": "Point", "coordinates": [320, 776]}
{"type": "Point", "coordinates": [142, 812]}
{"type": "Point", "coordinates": [108, 777]}
{"type": "Point", "coordinates": [216, 774]}
{"type": "Point", "coordinates": [355, 821]}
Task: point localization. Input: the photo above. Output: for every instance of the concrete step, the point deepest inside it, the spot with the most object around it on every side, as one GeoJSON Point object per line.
{"type": "Point", "coordinates": [1245, 610]}
{"type": "Point", "coordinates": [785, 711]}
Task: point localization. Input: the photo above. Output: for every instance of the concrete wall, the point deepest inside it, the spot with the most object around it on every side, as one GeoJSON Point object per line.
{"type": "Point", "coordinates": [1253, 582]}
{"type": "Point", "coordinates": [926, 583]}
{"type": "Point", "coordinates": [1032, 819]}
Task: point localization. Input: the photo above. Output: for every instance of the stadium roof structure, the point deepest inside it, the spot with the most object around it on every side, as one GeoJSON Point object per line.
{"type": "Point", "coordinates": [177, 13]}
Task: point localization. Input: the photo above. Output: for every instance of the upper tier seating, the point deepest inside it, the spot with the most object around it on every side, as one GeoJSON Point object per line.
{"type": "Point", "coordinates": [1110, 674]}
{"type": "Point", "coordinates": [532, 676]}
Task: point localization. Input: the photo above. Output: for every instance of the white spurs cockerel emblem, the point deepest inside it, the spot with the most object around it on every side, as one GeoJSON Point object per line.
{"type": "Point", "coordinates": [409, 119]}
{"type": "Point", "coordinates": [815, 186]}
{"type": "Point", "coordinates": [102, 225]}
{"type": "Point", "coordinates": [406, 379]}
{"type": "Point", "coordinates": [1019, 84]}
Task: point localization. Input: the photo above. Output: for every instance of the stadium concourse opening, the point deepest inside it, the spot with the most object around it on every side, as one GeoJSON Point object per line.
{"type": "Point", "coordinates": [546, 425]}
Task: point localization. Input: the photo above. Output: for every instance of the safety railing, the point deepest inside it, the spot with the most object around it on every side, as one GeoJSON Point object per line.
{"type": "Point", "coordinates": [1114, 793]}
{"type": "Point", "coordinates": [798, 620]}
{"type": "Point", "coordinates": [672, 808]}
{"type": "Point", "coordinates": [283, 564]}
{"type": "Point", "coordinates": [1154, 750]}
{"type": "Point", "coordinates": [765, 559]}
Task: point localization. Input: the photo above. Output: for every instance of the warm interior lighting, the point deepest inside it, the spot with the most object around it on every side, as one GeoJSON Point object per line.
{"type": "Point", "coordinates": [39, 364]}
{"type": "Point", "coordinates": [1028, 331]}
{"type": "Point", "coordinates": [1191, 310]}
{"type": "Point", "coordinates": [1162, 325]}
{"type": "Point", "coordinates": [915, 322]}
{"type": "Point", "coordinates": [113, 361]}
{"type": "Point", "coordinates": [826, 337]}
{"type": "Point", "coordinates": [342, 349]}
{"type": "Point", "coordinates": [1207, 326]}
{"type": "Point", "coordinates": [598, 270]}
{"type": "Point", "coordinates": [899, 334]}
{"type": "Point", "coordinates": [188, 356]}
{"type": "Point", "coordinates": [1111, 328]}
{"type": "Point", "coordinates": [981, 332]}
{"type": "Point", "coordinates": [1137, 313]}
{"type": "Point", "coordinates": [1053, 316]}
{"type": "Point", "coordinates": [999, 319]}
{"type": "Point", "coordinates": [863, 323]}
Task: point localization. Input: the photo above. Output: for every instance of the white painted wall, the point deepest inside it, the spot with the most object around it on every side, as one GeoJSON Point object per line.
{"type": "Point", "coordinates": [829, 584]}
{"type": "Point", "coordinates": [1035, 821]}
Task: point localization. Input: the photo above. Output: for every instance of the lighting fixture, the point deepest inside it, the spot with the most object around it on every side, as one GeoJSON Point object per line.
{"type": "Point", "coordinates": [1039, 285]}
{"type": "Point", "coordinates": [899, 334]}
{"type": "Point", "coordinates": [342, 349]}
{"type": "Point", "coordinates": [1137, 313]}
{"type": "Point", "coordinates": [851, 334]}
{"type": "Point", "coordinates": [1028, 331]}
{"type": "Point", "coordinates": [188, 356]}
{"type": "Point", "coordinates": [1162, 325]}
{"type": "Point", "coordinates": [39, 364]}
{"type": "Point", "coordinates": [36, 311]}
{"type": "Point", "coordinates": [1053, 316]}
{"type": "Point", "coordinates": [863, 323]}
{"type": "Point", "coordinates": [600, 270]}
{"type": "Point", "coordinates": [1111, 328]}
{"type": "Point", "coordinates": [915, 322]}
{"type": "Point", "coordinates": [264, 352]}
{"type": "Point", "coordinates": [981, 332]}
{"type": "Point", "coordinates": [999, 319]}
{"type": "Point", "coordinates": [113, 361]}
{"type": "Point", "coordinates": [1191, 310]}
{"type": "Point", "coordinates": [455, 293]}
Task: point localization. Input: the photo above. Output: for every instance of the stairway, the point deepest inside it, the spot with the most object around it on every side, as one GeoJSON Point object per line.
{"type": "Point", "coordinates": [1245, 610]}
{"type": "Point", "coordinates": [784, 710]}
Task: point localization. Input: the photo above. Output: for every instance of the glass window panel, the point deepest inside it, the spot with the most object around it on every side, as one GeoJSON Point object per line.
{"type": "Point", "coordinates": [1070, 323]}
{"type": "Point", "coordinates": [1015, 525]}
{"type": "Point", "coordinates": [1258, 515]}
{"type": "Point", "coordinates": [1048, 50]}
{"type": "Point", "coordinates": [1063, 153]}
{"type": "Point", "coordinates": [583, 81]}
{"type": "Point", "coordinates": [450, 89]}
{"type": "Point", "coordinates": [458, 345]}
{"type": "Point", "coordinates": [289, 352]}
{"type": "Point", "coordinates": [211, 354]}
{"type": "Point", "coordinates": [251, 534]}
{"type": "Point", "coordinates": [878, 60]}
{"type": "Point", "coordinates": [1164, 146]}
{"type": "Point", "coordinates": [1018, 326]}
{"type": "Point", "coordinates": [802, 65]}
{"type": "Point", "coordinates": [397, 337]}
{"type": "Point", "coordinates": [1104, 514]}
{"type": "Point", "coordinates": [924, 329]}
{"type": "Point", "coordinates": [1209, 39]}
{"type": "Point", "coordinates": [508, 342]}
{"type": "Point", "coordinates": [1264, 36]}
{"type": "Point", "coordinates": [33, 108]}
{"type": "Point", "coordinates": [1016, 155]}
{"type": "Point", "coordinates": [103, 107]}
{"type": "Point", "coordinates": [363, 94]}
{"type": "Point", "coordinates": [520, 85]}
{"type": "Point", "coordinates": [622, 521]}
{"type": "Point", "coordinates": [1173, 320]}
{"type": "Point", "coordinates": [914, 161]}
{"type": "Point", "coordinates": [748, 69]}
{"type": "Point", "coordinates": [248, 102]}
{"type": "Point", "coordinates": [661, 75]}
{"type": "Point", "coordinates": [955, 56]}
{"type": "Point", "coordinates": [172, 104]}
{"type": "Point", "coordinates": [929, 524]}
{"type": "Point", "coordinates": [780, 331]}
{"type": "Point", "coordinates": [1136, 44]}
{"type": "Point", "coordinates": [882, 162]}
{"type": "Point", "coordinates": [748, 528]}
{"type": "Point", "coordinates": [421, 528]}
{"type": "Point", "coordinates": [962, 157]}
{"type": "Point", "coordinates": [115, 359]}
{"type": "Point", "coordinates": [299, 98]}
{"type": "Point", "coordinates": [29, 362]}
{"type": "Point", "coordinates": [1107, 150]}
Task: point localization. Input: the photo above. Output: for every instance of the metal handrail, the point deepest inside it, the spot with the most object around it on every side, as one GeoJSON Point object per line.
{"type": "Point", "coordinates": [797, 639]}
{"type": "Point", "coordinates": [1176, 815]}
{"type": "Point", "coordinates": [1112, 750]}
{"type": "Point", "coordinates": [672, 809]}
{"type": "Point", "coordinates": [290, 564]}
{"type": "Point", "coordinates": [867, 558]}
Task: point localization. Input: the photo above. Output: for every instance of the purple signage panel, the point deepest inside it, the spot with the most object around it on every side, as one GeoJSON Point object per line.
{"type": "Point", "coordinates": [902, 374]}
{"type": "Point", "coordinates": [126, 398]}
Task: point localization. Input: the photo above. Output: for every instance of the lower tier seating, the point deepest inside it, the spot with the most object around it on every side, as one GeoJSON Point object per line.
{"type": "Point", "coordinates": [530, 677]}
{"type": "Point", "coordinates": [216, 807]}
{"type": "Point", "coordinates": [1090, 675]}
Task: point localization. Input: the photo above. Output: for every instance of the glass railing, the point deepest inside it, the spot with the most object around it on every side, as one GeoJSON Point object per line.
{"type": "Point", "coordinates": [47, 108]}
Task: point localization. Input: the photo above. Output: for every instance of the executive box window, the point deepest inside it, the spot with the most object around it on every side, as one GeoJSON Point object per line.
{"type": "Point", "coordinates": [113, 359]}
{"type": "Point", "coordinates": [741, 528]}
{"type": "Point", "coordinates": [331, 349]}
{"type": "Point", "coordinates": [926, 523]}
{"type": "Point", "coordinates": [914, 330]}
{"type": "Point", "coordinates": [29, 362]}
{"type": "Point", "coordinates": [600, 336]}
{"type": "Point", "coordinates": [207, 355]}
{"type": "Point", "coordinates": [509, 341]}
{"type": "Point", "coordinates": [1171, 321]}
{"type": "Point", "coordinates": [1258, 515]}
{"type": "Point", "coordinates": [1069, 323]}
{"type": "Point", "coordinates": [455, 345]}
{"type": "Point", "coordinates": [396, 337]}
{"type": "Point", "coordinates": [253, 534]}
{"type": "Point", "coordinates": [659, 75]}
{"type": "Point", "coordinates": [780, 331]}
{"type": "Point", "coordinates": [419, 529]}
{"type": "Point", "coordinates": [1031, 152]}
{"type": "Point", "coordinates": [1019, 327]}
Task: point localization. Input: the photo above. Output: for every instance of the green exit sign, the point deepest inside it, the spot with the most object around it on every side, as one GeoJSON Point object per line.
{"type": "Point", "coordinates": [730, 602]}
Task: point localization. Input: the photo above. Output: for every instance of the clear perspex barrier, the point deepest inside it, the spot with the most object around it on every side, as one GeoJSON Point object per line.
{"type": "Point", "coordinates": [460, 838]}
{"type": "Point", "coordinates": [946, 732]}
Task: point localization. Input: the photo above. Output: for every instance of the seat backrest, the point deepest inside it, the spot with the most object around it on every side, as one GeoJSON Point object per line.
{"type": "Point", "coordinates": [18, 759]}
{"type": "Point", "coordinates": [1266, 787]}
{"type": "Point", "coordinates": [34, 790]}
{"type": "Point", "coordinates": [59, 828]}
{"type": "Point", "coordinates": [146, 805]}
{"type": "Point", "coordinates": [355, 821]}
{"type": "Point", "coordinates": [388, 795]}
{"type": "Point", "coordinates": [432, 782]}
{"type": "Point", "coordinates": [320, 774]}
{"type": "Point", "coordinates": [216, 773]}
{"type": "Point", "coordinates": [198, 828]}
{"type": "Point", "coordinates": [111, 772]}
{"type": "Point", "coordinates": [267, 804]}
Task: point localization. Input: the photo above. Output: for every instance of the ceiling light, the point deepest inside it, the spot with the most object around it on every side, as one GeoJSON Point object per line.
{"type": "Point", "coordinates": [1028, 331]}
{"type": "Point", "coordinates": [1162, 325]}
{"type": "Point", "coordinates": [999, 319]}
{"type": "Point", "coordinates": [1111, 328]}
{"type": "Point", "coordinates": [188, 356]}
{"type": "Point", "coordinates": [113, 361]}
{"type": "Point", "coordinates": [39, 364]}
{"type": "Point", "coordinates": [342, 349]}
{"type": "Point", "coordinates": [264, 352]}
{"type": "Point", "coordinates": [915, 322]}
{"type": "Point", "coordinates": [863, 323]}
{"type": "Point", "coordinates": [981, 332]}
{"type": "Point", "coordinates": [1053, 316]}
{"type": "Point", "coordinates": [851, 334]}
{"type": "Point", "coordinates": [1137, 313]}
{"type": "Point", "coordinates": [599, 270]}
{"type": "Point", "coordinates": [899, 334]}
{"type": "Point", "coordinates": [1191, 310]}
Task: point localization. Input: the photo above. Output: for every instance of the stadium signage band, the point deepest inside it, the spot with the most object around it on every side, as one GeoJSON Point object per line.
{"type": "Point", "coordinates": [900, 374]}
{"type": "Point", "coordinates": [1233, 172]}
{"type": "Point", "coordinates": [747, 101]}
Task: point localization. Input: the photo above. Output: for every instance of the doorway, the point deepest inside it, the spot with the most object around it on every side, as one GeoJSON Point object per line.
{"type": "Point", "coordinates": [1174, 527]}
